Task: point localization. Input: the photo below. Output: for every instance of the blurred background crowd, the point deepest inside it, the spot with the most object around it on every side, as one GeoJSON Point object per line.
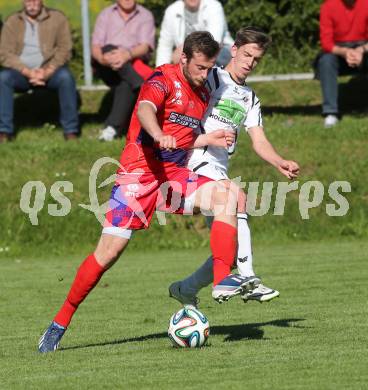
{"type": "Point", "coordinates": [41, 47]}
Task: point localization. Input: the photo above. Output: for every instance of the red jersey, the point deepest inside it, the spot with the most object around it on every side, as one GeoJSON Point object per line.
{"type": "Point", "coordinates": [180, 109]}
{"type": "Point", "coordinates": [340, 23]}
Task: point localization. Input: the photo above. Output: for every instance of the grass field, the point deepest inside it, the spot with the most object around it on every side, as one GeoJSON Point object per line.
{"type": "Point", "coordinates": [293, 124]}
{"type": "Point", "coordinates": [313, 337]}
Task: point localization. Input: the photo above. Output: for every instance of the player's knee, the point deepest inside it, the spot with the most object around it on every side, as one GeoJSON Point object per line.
{"type": "Point", "coordinates": [109, 249]}
{"type": "Point", "coordinates": [225, 196]}
{"type": "Point", "coordinates": [242, 199]}
{"type": "Point", "coordinates": [112, 253]}
{"type": "Point", "coordinates": [224, 202]}
{"type": "Point", "coordinates": [239, 195]}
{"type": "Point", "coordinates": [219, 195]}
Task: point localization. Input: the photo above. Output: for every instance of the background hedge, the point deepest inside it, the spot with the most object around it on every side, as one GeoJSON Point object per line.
{"type": "Point", "coordinates": [293, 25]}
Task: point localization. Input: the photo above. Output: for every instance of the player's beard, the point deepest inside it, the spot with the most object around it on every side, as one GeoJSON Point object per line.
{"type": "Point", "coordinates": [194, 83]}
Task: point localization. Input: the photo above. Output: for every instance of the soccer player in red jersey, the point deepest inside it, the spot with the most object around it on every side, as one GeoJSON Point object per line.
{"type": "Point", "coordinates": [153, 174]}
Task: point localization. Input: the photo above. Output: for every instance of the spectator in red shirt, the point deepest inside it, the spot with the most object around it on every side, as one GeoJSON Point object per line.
{"type": "Point", "coordinates": [123, 36]}
{"type": "Point", "coordinates": [344, 37]}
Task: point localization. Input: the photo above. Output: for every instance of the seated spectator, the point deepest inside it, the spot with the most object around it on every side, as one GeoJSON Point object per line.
{"type": "Point", "coordinates": [35, 46]}
{"type": "Point", "coordinates": [185, 16]}
{"type": "Point", "coordinates": [122, 40]}
{"type": "Point", "coordinates": [344, 37]}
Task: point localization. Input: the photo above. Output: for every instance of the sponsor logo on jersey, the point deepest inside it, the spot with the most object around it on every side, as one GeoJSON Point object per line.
{"type": "Point", "coordinates": [221, 119]}
{"type": "Point", "coordinates": [232, 111]}
{"type": "Point", "coordinates": [184, 120]}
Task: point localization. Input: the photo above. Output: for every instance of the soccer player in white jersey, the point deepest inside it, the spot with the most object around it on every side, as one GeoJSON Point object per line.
{"type": "Point", "coordinates": [234, 105]}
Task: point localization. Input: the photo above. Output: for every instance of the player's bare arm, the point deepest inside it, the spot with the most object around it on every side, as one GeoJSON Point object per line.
{"type": "Point", "coordinates": [263, 147]}
{"type": "Point", "coordinates": [148, 119]}
{"type": "Point", "coordinates": [219, 138]}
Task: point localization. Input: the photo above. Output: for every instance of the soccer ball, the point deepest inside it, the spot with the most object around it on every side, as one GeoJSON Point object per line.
{"type": "Point", "coordinates": [188, 328]}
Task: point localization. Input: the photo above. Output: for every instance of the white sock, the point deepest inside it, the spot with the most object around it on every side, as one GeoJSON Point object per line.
{"type": "Point", "coordinates": [200, 278]}
{"type": "Point", "coordinates": [244, 260]}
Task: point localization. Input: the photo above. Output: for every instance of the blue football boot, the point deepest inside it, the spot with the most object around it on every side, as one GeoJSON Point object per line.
{"type": "Point", "coordinates": [234, 285]}
{"type": "Point", "coordinates": [50, 340]}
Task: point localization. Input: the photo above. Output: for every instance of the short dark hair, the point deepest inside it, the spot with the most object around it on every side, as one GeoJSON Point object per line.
{"type": "Point", "coordinates": [251, 34]}
{"type": "Point", "coordinates": [200, 42]}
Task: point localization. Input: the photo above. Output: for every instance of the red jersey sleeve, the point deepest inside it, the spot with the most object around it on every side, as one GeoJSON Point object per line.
{"type": "Point", "coordinates": [155, 90]}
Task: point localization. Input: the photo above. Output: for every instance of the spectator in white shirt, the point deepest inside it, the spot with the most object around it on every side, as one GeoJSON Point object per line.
{"type": "Point", "coordinates": [185, 16]}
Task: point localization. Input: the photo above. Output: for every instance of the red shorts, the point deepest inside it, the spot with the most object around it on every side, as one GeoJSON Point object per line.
{"type": "Point", "coordinates": [136, 196]}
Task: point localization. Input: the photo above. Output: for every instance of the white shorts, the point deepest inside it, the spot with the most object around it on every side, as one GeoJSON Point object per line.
{"type": "Point", "coordinates": [207, 169]}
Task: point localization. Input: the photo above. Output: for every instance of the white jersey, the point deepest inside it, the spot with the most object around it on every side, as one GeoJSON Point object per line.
{"type": "Point", "coordinates": [231, 106]}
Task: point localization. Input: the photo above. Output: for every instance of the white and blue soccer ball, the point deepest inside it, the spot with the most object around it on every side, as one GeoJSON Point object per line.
{"type": "Point", "coordinates": [188, 328]}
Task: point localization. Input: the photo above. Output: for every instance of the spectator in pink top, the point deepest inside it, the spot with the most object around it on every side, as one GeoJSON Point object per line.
{"type": "Point", "coordinates": [344, 42]}
{"type": "Point", "coordinates": [123, 37]}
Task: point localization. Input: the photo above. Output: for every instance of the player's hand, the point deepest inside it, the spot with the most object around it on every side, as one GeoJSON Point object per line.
{"type": "Point", "coordinates": [289, 168]}
{"type": "Point", "coordinates": [167, 142]}
{"type": "Point", "coordinates": [221, 138]}
{"type": "Point", "coordinates": [230, 137]}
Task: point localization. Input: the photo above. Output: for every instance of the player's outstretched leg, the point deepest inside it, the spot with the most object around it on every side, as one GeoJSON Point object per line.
{"type": "Point", "coordinates": [260, 293]}
{"type": "Point", "coordinates": [226, 285]}
{"type": "Point", "coordinates": [185, 291]}
{"type": "Point", "coordinates": [223, 239]}
{"type": "Point", "coordinates": [176, 292]}
{"type": "Point", "coordinates": [88, 275]}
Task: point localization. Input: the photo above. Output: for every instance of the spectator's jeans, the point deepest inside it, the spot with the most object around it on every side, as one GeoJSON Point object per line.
{"type": "Point", "coordinates": [125, 84]}
{"type": "Point", "coordinates": [62, 80]}
{"type": "Point", "coordinates": [329, 67]}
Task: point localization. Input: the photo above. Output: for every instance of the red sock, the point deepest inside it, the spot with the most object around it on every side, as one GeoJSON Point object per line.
{"type": "Point", "coordinates": [88, 275]}
{"type": "Point", "coordinates": [223, 243]}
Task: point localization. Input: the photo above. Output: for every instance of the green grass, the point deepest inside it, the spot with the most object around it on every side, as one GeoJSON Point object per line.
{"type": "Point", "coordinates": [293, 124]}
{"type": "Point", "coordinates": [313, 337]}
